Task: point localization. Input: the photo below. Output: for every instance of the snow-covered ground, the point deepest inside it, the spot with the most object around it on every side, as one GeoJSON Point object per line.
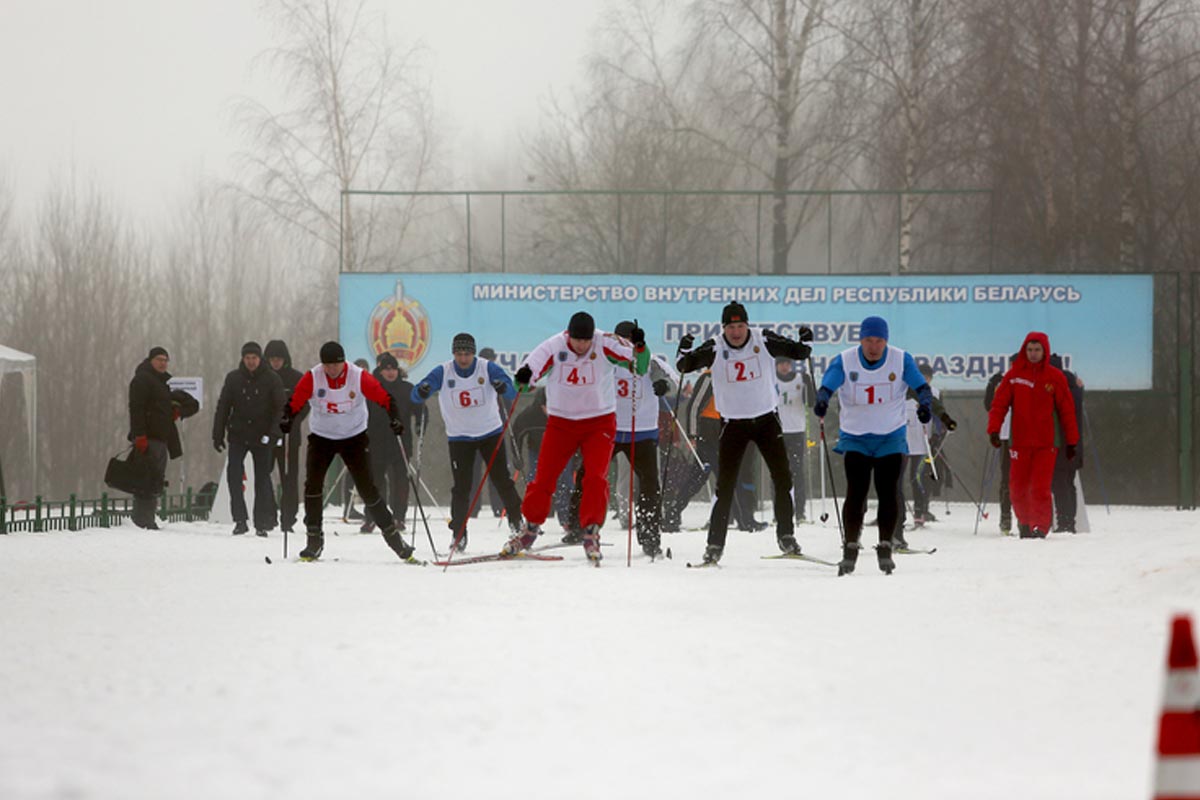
{"type": "Point", "coordinates": [179, 664]}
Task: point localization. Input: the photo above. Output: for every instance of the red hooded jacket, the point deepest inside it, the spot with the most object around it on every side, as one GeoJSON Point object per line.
{"type": "Point", "coordinates": [1035, 392]}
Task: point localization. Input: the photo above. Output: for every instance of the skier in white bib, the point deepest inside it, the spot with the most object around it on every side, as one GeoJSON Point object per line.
{"type": "Point", "coordinates": [872, 382]}
{"type": "Point", "coordinates": [743, 379]}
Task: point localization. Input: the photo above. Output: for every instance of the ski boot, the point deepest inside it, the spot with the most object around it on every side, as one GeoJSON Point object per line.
{"type": "Point", "coordinates": [712, 554]}
{"type": "Point", "coordinates": [849, 558]}
{"type": "Point", "coordinates": [261, 533]}
{"type": "Point", "coordinates": [459, 544]}
{"type": "Point", "coordinates": [652, 547]}
{"type": "Point", "coordinates": [788, 545]}
{"type": "Point", "coordinates": [316, 545]}
{"type": "Point", "coordinates": [1005, 525]}
{"type": "Point", "coordinates": [1024, 531]}
{"type": "Point", "coordinates": [883, 552]}
{"type": "Point", "coordinates": [521, 541]}
{"type": "Point", "coordinates": [394, 540]}
{"type": "Point", "coordinates": [591, 544]}
{"type": "Point", "coordinates": [573, 536]}
{"type": "Point", "coordinates": [367, 527]}
{"type": "Point", "coordinates": [1037, 533]}
{"type": "Point", "coordinates": [240, 527]}
{"type": "Point", "coordinates": [899, 542]}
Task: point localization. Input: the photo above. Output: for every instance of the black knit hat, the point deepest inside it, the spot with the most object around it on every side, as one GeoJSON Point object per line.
{"type": "Point", "coordinates": [734, 312]}
{"type": "Point", "coordinates": [463, 342]}
{"type": "Point", "coordinates": [155, 352]}
{"type": "Point", "coordinates": [252, 347]}
{"type": "Point", "coordinates": [332, 353]}
{"type": "Point", "coordinates": [581, 326]}
{"type": "Point", "coordinates": [386, 360]}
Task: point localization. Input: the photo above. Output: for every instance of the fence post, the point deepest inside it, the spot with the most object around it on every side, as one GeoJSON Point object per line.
{"type": "Point", "coordinates": [3, 515]}
{"type": "Point", "coordinates": [37, 515]}
{"type": "Point", "coordinates": [104, 510]}
{"type": "Point", "coordinates": [71, 526]}
{"type": "Point", "coordinates": [188, 516]}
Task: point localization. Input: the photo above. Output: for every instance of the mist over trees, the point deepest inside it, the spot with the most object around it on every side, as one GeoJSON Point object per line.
{"type": "Point", "coordinates": [1082, 118]}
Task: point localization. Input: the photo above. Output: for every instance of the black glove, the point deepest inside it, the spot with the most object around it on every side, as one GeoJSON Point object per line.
{"type": "Point", "coordinates": [686, 343]}
{"type": "Point", "coordinates": [500, 386]}
{"type": "Point", "coordinates": [285, 425]}
{"type": "Point", "coordinates": [805, 334]}
{"type": "Point", "coordinates": [661, 387]}
{"type": "Point", "coordinates": [924, 413]}
{"type": "Point", "coordinates": [948, 421]}
{"type": "Point", "coordinates": [821, 407]}
{"type": "Point", "coordinates": [994, 438]}
{"type": "Point", "coordinates": [424, 390]}
{"type": "Point", "coordinates": [219, 445]}
{"type": "Point", "coordinates": [523, 376]}
{"type": "Point", "coordinates": [396, 425]}
{"type": "Point", "coordinates": [1072, 452]}
{"type": "Point", "coordinates": [637, 336]}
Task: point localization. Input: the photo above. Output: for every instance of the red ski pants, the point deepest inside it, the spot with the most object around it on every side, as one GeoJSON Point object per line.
{"type": "Point", "coordinates": [1029, 478]}
{"type": "Point", "coordinates": [594, 437]}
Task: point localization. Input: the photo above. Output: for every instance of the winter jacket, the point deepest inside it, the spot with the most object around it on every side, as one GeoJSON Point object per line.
{"type": "Point", "coordinates": [379, 430]}
{"type": "Point", "coordinates": [250, 407]}
{"type": "Point", "coordinates": [151, 413]}
{"type": "Point", "coordinates": [289, 376]}
{"type": "Point", "coordinates": [1035, 392]}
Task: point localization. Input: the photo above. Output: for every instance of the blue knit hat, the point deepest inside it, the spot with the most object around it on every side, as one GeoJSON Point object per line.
{"type": "Point", "coordinates": [873, 326]}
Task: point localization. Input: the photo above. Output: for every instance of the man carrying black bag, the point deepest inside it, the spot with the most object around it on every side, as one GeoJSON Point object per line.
{"type": "Point", "coordinates": [152, 430]}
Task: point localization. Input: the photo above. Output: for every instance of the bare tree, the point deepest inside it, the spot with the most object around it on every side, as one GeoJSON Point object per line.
{"type": "Point", "coordinates": [360, 117]}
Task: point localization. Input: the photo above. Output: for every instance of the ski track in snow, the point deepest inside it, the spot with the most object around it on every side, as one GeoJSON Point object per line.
{"type": "Point", "coordinates": [179, 664]}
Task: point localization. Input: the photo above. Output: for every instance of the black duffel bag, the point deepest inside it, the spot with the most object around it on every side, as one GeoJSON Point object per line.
{"type": "Point", "coordinates": [133, 475]}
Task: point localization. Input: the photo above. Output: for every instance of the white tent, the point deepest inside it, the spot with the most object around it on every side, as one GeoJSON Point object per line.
{"type": "Point", "coordinates": [16, 361]}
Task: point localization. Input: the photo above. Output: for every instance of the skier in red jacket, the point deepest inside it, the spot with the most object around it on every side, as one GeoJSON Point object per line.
{"type": "Point", "coordinates": [1035, 390]}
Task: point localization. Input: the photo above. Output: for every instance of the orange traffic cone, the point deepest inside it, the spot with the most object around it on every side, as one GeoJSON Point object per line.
{"type": "Point", "coordinates": [1177, 776]}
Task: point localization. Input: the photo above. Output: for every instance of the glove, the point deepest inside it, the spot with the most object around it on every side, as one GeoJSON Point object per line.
{"type": "Point", "coordinates": [821, 407]}
{"type": "Point", "coordinates": [219, 445]}
{"type": "Point", "coordinates": [637, 336]}
{"type": "Point", "coordinates": [424, 390]}
{"type": "Point", "coordinates": [805, 334]}
{"type": "Point", "coordinates": [772, 336]}
{"type": "Point", "coordinates": [924, 413]}
{"type": "Point", "coordinates": [285, 424]}
{"type": "Point", "coordinates": [523, 376]}
{"type": "Point", "coordinates": [686, 342]}
{"type": "Point", "coordinates": [396, 425]}
{"type": "Point", "coordinates": [994, 438]}
{"type": "Point", "coordinates": [1072, 452]}
{"type": "Point", "coordinates": [948, 421]}
{"type": "Point", "coordinates": [500, 386]}
{"type": "Point", "coordinates": [141, 443]}
{"type": "Point", "coordinates": [661, 387]}
{"type": "Point", "coordinates": [175, 414]}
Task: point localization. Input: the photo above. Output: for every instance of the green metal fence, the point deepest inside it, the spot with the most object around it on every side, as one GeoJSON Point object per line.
{"type": "Point", "coordinates": [75, 514]}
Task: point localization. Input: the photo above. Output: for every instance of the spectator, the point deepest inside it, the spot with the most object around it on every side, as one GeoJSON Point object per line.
{"type": "Point", "coordinates": [152, 429]}
{"type": "Point", "coordinates": [287, 455]}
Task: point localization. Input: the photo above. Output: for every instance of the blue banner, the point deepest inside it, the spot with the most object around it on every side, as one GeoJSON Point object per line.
{"type": "Point", "coordinates": [965, 326]}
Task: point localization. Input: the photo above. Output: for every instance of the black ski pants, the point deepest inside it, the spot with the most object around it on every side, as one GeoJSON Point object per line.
{"type": "Point", "coordinates": [647, 511]}
{"type": "Point", "coordinates": [390, 472]}
{"type": "Point", "coordinates": [887, 471]}
{"type": "Point", "coordinates": [796, 444]}
{"type": "Point", "coordinates": [287, 462]}
{"type": "Point", "coordinates": [736, 435]}
{"type": "Point", "coordinates": [462, 461]}
{"type": "Point", "coordinates": [356, 455]}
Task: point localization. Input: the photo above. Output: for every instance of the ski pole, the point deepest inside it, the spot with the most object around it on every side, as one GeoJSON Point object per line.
{"type": "Point", "coordinates": [832, 486]}
{"type": "Point", "coordinates": [487, 471]}
{"type": "Point", "coordinates": [928, 450]}
{"type": "Point", "coordinates": [989, 462]}
{"type": "Point", "coordinates": [674, 425]}
{"type": "Point", "coordinates": [633, 384]}
{"type": "Point", "coordinates": [1096, 455]}
{"type": "Point", "coordinates": [417, 498]}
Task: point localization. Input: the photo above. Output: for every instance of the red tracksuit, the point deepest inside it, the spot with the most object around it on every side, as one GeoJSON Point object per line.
{"type": "Point", "coordinates": [1035, 392]}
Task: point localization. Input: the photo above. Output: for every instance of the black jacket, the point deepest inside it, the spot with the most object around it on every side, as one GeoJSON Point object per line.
{"type": "Point", "coordinates": [379, 430]}
{"type": "Point", "coordinates": [289, 376]}
{"type": "Point", "coordinates": [151, 413]}
{"type": "Point", "coordinates": [250, 406]}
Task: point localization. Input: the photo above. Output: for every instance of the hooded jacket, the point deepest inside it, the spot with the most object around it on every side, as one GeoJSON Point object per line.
{"type": "Point", "coordinates": [151, 412]}
{"type": "Point", "coordinates": [1035, 392]}
{"type": "Point", "coordinates": [379, 431]}
{"type": "Point", "coordinates": [289, 376]}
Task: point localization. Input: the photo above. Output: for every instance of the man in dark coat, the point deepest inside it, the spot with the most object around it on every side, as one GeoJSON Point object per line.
{"type": "Point", "coordinates": [152, 429]}
{"type": "Point", "coordinates": [1062, 486]}
{"type": "Point", "coordinates": [287, 455]}
{"type": "Point", "coordinates": [388, 465]}
{"type": "Point", "coordinates": [249, 411]}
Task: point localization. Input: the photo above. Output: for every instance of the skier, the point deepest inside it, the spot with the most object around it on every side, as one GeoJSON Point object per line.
{"type": "Point", "coordinates": [468, 390]}
{"type": "Point", "coordinates": [637, 395]}
{"type": "Point", "coordinates": [287, 455]}
{"type": "Point", "coordinates": [580, 365]}
{"type": "Point", "coordinates": [796, 396]}
{"type": "Point", "coordinates": [919, 457]}
{"type": "Point", "coordinates": [870, 381]}
{"type": "Point", "coordinates": [1035, 390]}
{"type": "Point", "coordinates": [248, 411]}
{"type": "Point", "coordinates": [1063, 484]}
{"type": "Point", "coordinates": [338, 393]}
{"type": "Point", "coordinates": [1005, 466]}
{"type": "Point", "coordinates": [743, 382]}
